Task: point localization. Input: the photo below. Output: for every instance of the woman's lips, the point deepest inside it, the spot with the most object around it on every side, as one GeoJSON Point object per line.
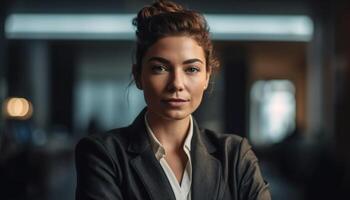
{"type": "Point", "coordinates": [175, 102]}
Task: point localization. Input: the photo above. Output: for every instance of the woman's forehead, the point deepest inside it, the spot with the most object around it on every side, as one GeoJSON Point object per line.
{"type": "Point", "coordinates": [176, 48]}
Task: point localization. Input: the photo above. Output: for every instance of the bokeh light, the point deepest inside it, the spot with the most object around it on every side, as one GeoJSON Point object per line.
{"type": "Point", "coordinates": [18, 108]}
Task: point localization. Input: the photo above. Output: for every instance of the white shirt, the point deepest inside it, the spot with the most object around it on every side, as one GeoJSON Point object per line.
{"type": "Point", "coordinates": [182, 191]}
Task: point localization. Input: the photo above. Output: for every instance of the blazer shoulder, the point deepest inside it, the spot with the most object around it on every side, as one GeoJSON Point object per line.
{"type": "Point", "coordinates": [109, 140]}
{"type": "Point", "coordinates": [223, 138]}
{"type": "Point", "coordinates": [226, 141]}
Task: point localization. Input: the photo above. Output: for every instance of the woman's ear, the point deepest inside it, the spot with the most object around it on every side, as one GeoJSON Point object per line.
{"type": "Point", "coordinates": [207, 79]}
{"type": "Point", "coordinates": [136, 77]}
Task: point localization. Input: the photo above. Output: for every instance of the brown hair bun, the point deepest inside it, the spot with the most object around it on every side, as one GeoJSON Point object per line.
{"type": "Point", "coordinates": [156, 8]}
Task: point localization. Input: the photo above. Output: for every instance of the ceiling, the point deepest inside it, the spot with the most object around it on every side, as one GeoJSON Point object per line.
{"type": "Point", "coordinates": [132, 6]}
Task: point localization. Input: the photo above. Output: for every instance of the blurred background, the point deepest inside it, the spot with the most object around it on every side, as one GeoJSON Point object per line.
{"type": "Point", "coordinates": [65, 72]}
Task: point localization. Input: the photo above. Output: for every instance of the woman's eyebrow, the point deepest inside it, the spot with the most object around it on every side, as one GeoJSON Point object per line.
{"type": "Point", "coordinates": [165, 61]}
{"type": "Point", "coordinates": [192, 61]}
{"type": "Point", "coordinates": [159, 59]}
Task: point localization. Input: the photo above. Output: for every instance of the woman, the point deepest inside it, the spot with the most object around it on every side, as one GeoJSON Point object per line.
{"type": "Point", "coordinates": [163, 154]}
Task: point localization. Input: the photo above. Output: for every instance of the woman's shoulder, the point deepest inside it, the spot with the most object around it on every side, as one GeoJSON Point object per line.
{"type": "Point", "coordinates": [215, 136]}
{"type": "Point", "coordinates": [227, 141]}
{"type": "Point", "coordinates": [109, 139]}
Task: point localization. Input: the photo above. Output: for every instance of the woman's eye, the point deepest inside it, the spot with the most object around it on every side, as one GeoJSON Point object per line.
{"type": "Point", "coordinates": [159, 69]}
{"type": "Point", "coordinates": [192, 70]}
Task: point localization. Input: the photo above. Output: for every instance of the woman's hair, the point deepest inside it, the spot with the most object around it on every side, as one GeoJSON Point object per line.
{"type": "Point", "coordinates": [165, 18]}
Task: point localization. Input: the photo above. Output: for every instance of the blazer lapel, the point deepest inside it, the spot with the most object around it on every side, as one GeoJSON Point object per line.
{"type": "Point", "coordinates": [206, 169]}
{"type": "Point", "coordinates": [145, 163]}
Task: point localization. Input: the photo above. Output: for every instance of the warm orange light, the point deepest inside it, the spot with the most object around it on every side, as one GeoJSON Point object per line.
{"type": "Point", "coordinates": [19, 108]}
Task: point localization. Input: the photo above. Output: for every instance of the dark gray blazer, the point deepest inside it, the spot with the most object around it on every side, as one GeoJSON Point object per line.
{"type": "Point", "coordinates": [120, 164]}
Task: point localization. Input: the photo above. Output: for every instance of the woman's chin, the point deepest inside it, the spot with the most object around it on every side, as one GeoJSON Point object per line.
{"type": "Point", "coordinates": [175, 114]}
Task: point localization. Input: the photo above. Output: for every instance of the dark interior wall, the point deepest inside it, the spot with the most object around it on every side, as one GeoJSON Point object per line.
{"type": "Point", "coordinates": [3, 47]}
{"type": "Point", "coordinates": [15, 68]}
{"type": "Point", "coordinates": [334, 163]}
{"type": "Point", "coordinates": [234, 68]}
{"type": "Point", "coordinates": [63, 58]}
{"type": "Point", "coordinates": [342, 105]}
{"type": "Point", "coordinates": [2, 37]}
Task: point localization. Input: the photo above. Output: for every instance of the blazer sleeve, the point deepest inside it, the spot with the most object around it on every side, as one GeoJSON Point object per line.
{"type": "Point", "coordinates": [252, 185]}
{"type": "Point", "coordinates": [96, 172]}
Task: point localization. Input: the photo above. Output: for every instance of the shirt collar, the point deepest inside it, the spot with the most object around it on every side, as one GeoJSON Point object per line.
{"type": "Point", "coordinates": [189, 136]}
{"type": "Point", "coordinates": [158, 148]}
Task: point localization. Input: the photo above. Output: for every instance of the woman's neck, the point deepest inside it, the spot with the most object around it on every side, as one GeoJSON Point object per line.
{"type": "Point", "coordinates": [170, 133]}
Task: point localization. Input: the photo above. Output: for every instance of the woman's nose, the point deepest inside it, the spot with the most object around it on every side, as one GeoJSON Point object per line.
{"type": "Point", "coordinates": [176, 82]}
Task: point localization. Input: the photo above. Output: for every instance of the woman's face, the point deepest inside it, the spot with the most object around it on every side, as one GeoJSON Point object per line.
{"type": "Point", "coordinates": [173, 77]}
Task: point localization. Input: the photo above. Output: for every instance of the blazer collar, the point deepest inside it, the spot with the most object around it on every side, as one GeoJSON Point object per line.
{"type": "Point", "coordinates": [139, 140]}
{"type": "Point", "coordinates": [206, 169]}
{"type": "Point", "coordinates": [145, 163]}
